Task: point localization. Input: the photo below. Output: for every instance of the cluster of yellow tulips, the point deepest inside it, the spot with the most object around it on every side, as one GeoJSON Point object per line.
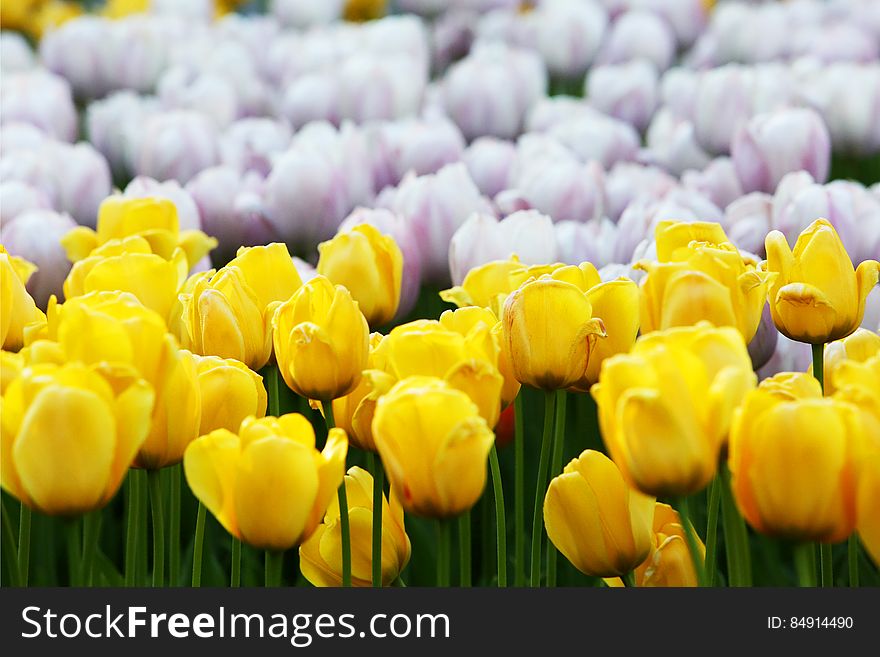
{"type": "Point", "coordinates": [146, 366]}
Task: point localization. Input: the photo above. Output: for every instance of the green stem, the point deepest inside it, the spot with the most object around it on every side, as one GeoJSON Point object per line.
{"type": "Point", "coordinates": [519, 516]}
{"type": "Point", "coordinates": [375, 464]}
{"type": "Point", "coordinates": [540, 487]}
{"type": "Point", "coordinates": [274, 405]}
{"type": "Point", "coordinates": [805, 564]}
{"type": "Point", "coordinates": [690, 535]}
{"type": "Point", "coordinates": [443, 552]}
{"type": "Point", "coordinates": [555, 469]}
{"type": "Point", "coordinates": [142, 529]}
{"type": "Point", "coordinates": [852, 556]}
{"type": "Point", "coordinates": [274, 568]}
{"type": "Point", "coordinates": [819, 364]}
{"type": "Point", "coordinates": [343, 507]}
{"type": "Point", "coordinates": [736, 536]}
{"type": "Point", "coordinates": [827, 565]}
{"type": "Point", "coordinates": [131, 529]}
{"type": "Point", "coordinates": [712, 531]}
{"type": "Point", "coordinates": [24, 544]}
{"type": "Point", "coordinates": [500, 518]}
{"type": "Point", "coordinates": [74, 552]}
{"type": "Point", "coordinates": [91, 535]}
{"type": "Point", "coordinates": [9, 555]}
{"type": "Point", "coordinates": [155, 483]}
{"type": "Point", "coordinates": [464, 549]}
{"type": "Point", "coordinates": [198, 547]}
{"type": "Point", "coordinates": [629, 579]}
{"type": "Point", "coordinates": [174, 526]}
{"type": "Point", "coordinates": [235, 575]}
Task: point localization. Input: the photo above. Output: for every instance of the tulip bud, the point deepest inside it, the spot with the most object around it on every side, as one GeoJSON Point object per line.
{"type": "Point", "coordinates": [19, 309]}
{"type": "Point", "coordinates": [17, 197]}
{"type": "Point", "coordinates": [435, 206]}
{"type": "Point", "coordinates": [639, 35]}
{"type": "Point", "coordinates": [229, 313]}
{"type": "Point", "coordinates": [628, 92]}
{"type": "Point", "coordinates": [627, 181]}
{"type": "Point", "coordinates": [321, 555]}
{"type": "Point", "coordinates": [598, 523]}
{"type": "Point", "coordinates": [857, 347]}
{"type": "Point", "coordinates": [773, 144]}
{"type": "Point", "coordinates": [599, 138]}
{"type": "Point", "coordinates": [58, 417]}
{"type": "Point", "coordinates": [672, 144]}
{"type": "Point", "coordinates": [482, 239]}
{"type": "Point", "coordinates": [175, 145]}
{"type": "Point", "coordinates": [644, 388]}
{"type": "Point", "coordinates": [148, 188]}
{"type": "Point", "coordinates": [396, 226]}
{"type": "Point", "coordinates": [592, 241]}
{"type": "Point", "coordinates": [321, 341]}
{"type": "Point", "coordinates": [785, 426]}
{"type": "Point", "coordinates": [36, 236]}
{"type": "Point", "coordinates": [416, 425]}
{"type": "Point", "coordinates": [268, 486]}
{"type": "Point", "coordinates": [370, 265]}
{"type": "Point", "coordinates": [230, 392]}
{"type": "Point", "coordinates": [718, 182]}
{"type": "Point", "coordinates": [568, 35]}
{"type": "Point", "coordinates": [868, 494]}
{"type": "Point", "coordinates": [41, 99]}
{"type": "Point", "coordinates": [15, 53]}
{"type": "Point", "coordinates": [489, 162]}
{"type": "Point", "coordinates": [306, 13]}
{"type": "Point", "coordinates": [817, 296]}
{"type": "Point", "coordinates": [250, 144]}
{"type": "Point", "coordinates": [490, 90]}
{"type": "Point", "coordinates": [749, 221]}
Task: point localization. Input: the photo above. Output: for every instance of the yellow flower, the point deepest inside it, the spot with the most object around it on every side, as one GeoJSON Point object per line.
{"type": "Point", "coordinates": [858, 347]}
{"type": "Point", "coordinates": [364, 10]}
{"type": "Point", "coordinates": [818, 296]}
{"type": "Point", "coordinates": [123, 8]}
{"type": "Point", "coordinates": [321, 341]}
{"type": "Point", "coordinates": [485, 286]}
{"type": "Point", "coordinates": [354, 412]}
{"type": "Point", "coordinates": [11, 365]}
{"type": "Point", "coordinates": [268, 485]}
{"type": "Point", "coordinates": [129, 265]}
{"type": "Point", "coordinates": [467, 362]}
{"type": "Point", "coordinates": [600, 524]}
{"type": "Point", "coordinates": [51, 15]}
{"type": "Point", "coordinates": [229, 393]}
{"type": "Point", "coordinates": [669, 562]}
{"type": "Point", "coordinates": [320, 557]}
{"type": "Point", "coordinates": [868, 505]}
{"type": "Point", "coordinates": [434, 445]}
{"type": "Point", "coordinates": [154, 219]}
{"type": "Point", "coordinates": [665, 408]}
{"type": "Point", "coordinates": [229, 313]}
{"type": "Point", "coordinates": [113, 332]}
{"type": "Point", "coordinates": [549, 332]}
{"type": "Point", "coordinates": [793, 459]}
{"type": "Point", "coordinates": [700, 275]}
{"type": "Point", "coordinates": [17, 15]}
{"type": "Point", "coordinates": [18, 307]}
{"type": "Point", "coordinates": [859, 384]}
{"type": "Point", "coordinates": [370, 265]}
{"type": "Point", "coordinates": [69, 436]}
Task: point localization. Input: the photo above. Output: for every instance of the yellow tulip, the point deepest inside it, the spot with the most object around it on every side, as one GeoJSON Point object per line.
{"type": "Point", "coordinates": [11, 365]}
{"type": "Point", "coordinates": [793, 456]}
{"type": "Point", "coordinates": [468, 362]}
{"type": "Point", "coordinates": [354, 412]}
{"type": "Point", "coordinates": [229, 313]}
{"type": "Point", "coordinates": [859, 384]}
{"type": "Point", "coordinates": [322, 341]}
{"type": "Point", "coordinates": [434, 445]}
{"type": "Point", "coordinates": [600, 524]}
{"type": "Point", "coordinates": [818, 296]}
{"type": "Point", "coordinates": [364, 10]}
{"type": "Point", "coordinates": [69, 436]}
{"type": "Point", "coordinates": [868, 505]}
{"type": "Point", "coordinates": [112, 331]}
{"type": "Point", "coordinates": [859, 347]}
{"type": "Point", "coordinates": [665, 408]}
{"type": "Point", "coordinates": [268, 485]}
{"type": "Point", "coordinates": [320, 557]}
{"type": "Point", "coordinates": [153, 219]}
{"type": "Point", "coordinates": [700, 275]}
{"type": "Point", "coordinates": [18, 307]}
{"type": "Point", "coordinates": [229, 393]}
{"type": "Point", "coordinates": [485, 286]}
{"type": "Point", "coordinates": [370, 265]}
{"type": "Point", "coordinates": [669, 562]}
{"type": "Point", "coordinates": [51, 15]}
{"type": "Point", "coordinates": [549, 332]}
{"type": "Point", "coordinates": [129, 265]}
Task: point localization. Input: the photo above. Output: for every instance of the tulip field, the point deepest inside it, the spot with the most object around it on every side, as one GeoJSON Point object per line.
{"type": "Point", "coordinates": [415, 293]}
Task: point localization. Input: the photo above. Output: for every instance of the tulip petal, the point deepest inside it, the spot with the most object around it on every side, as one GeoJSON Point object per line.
{"type": "Point", "coordinates": [868, 504]}
{"type": "Point", "coordinates": [209, 464]}
{"type": "Point", "coordinates": [802, 312]}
